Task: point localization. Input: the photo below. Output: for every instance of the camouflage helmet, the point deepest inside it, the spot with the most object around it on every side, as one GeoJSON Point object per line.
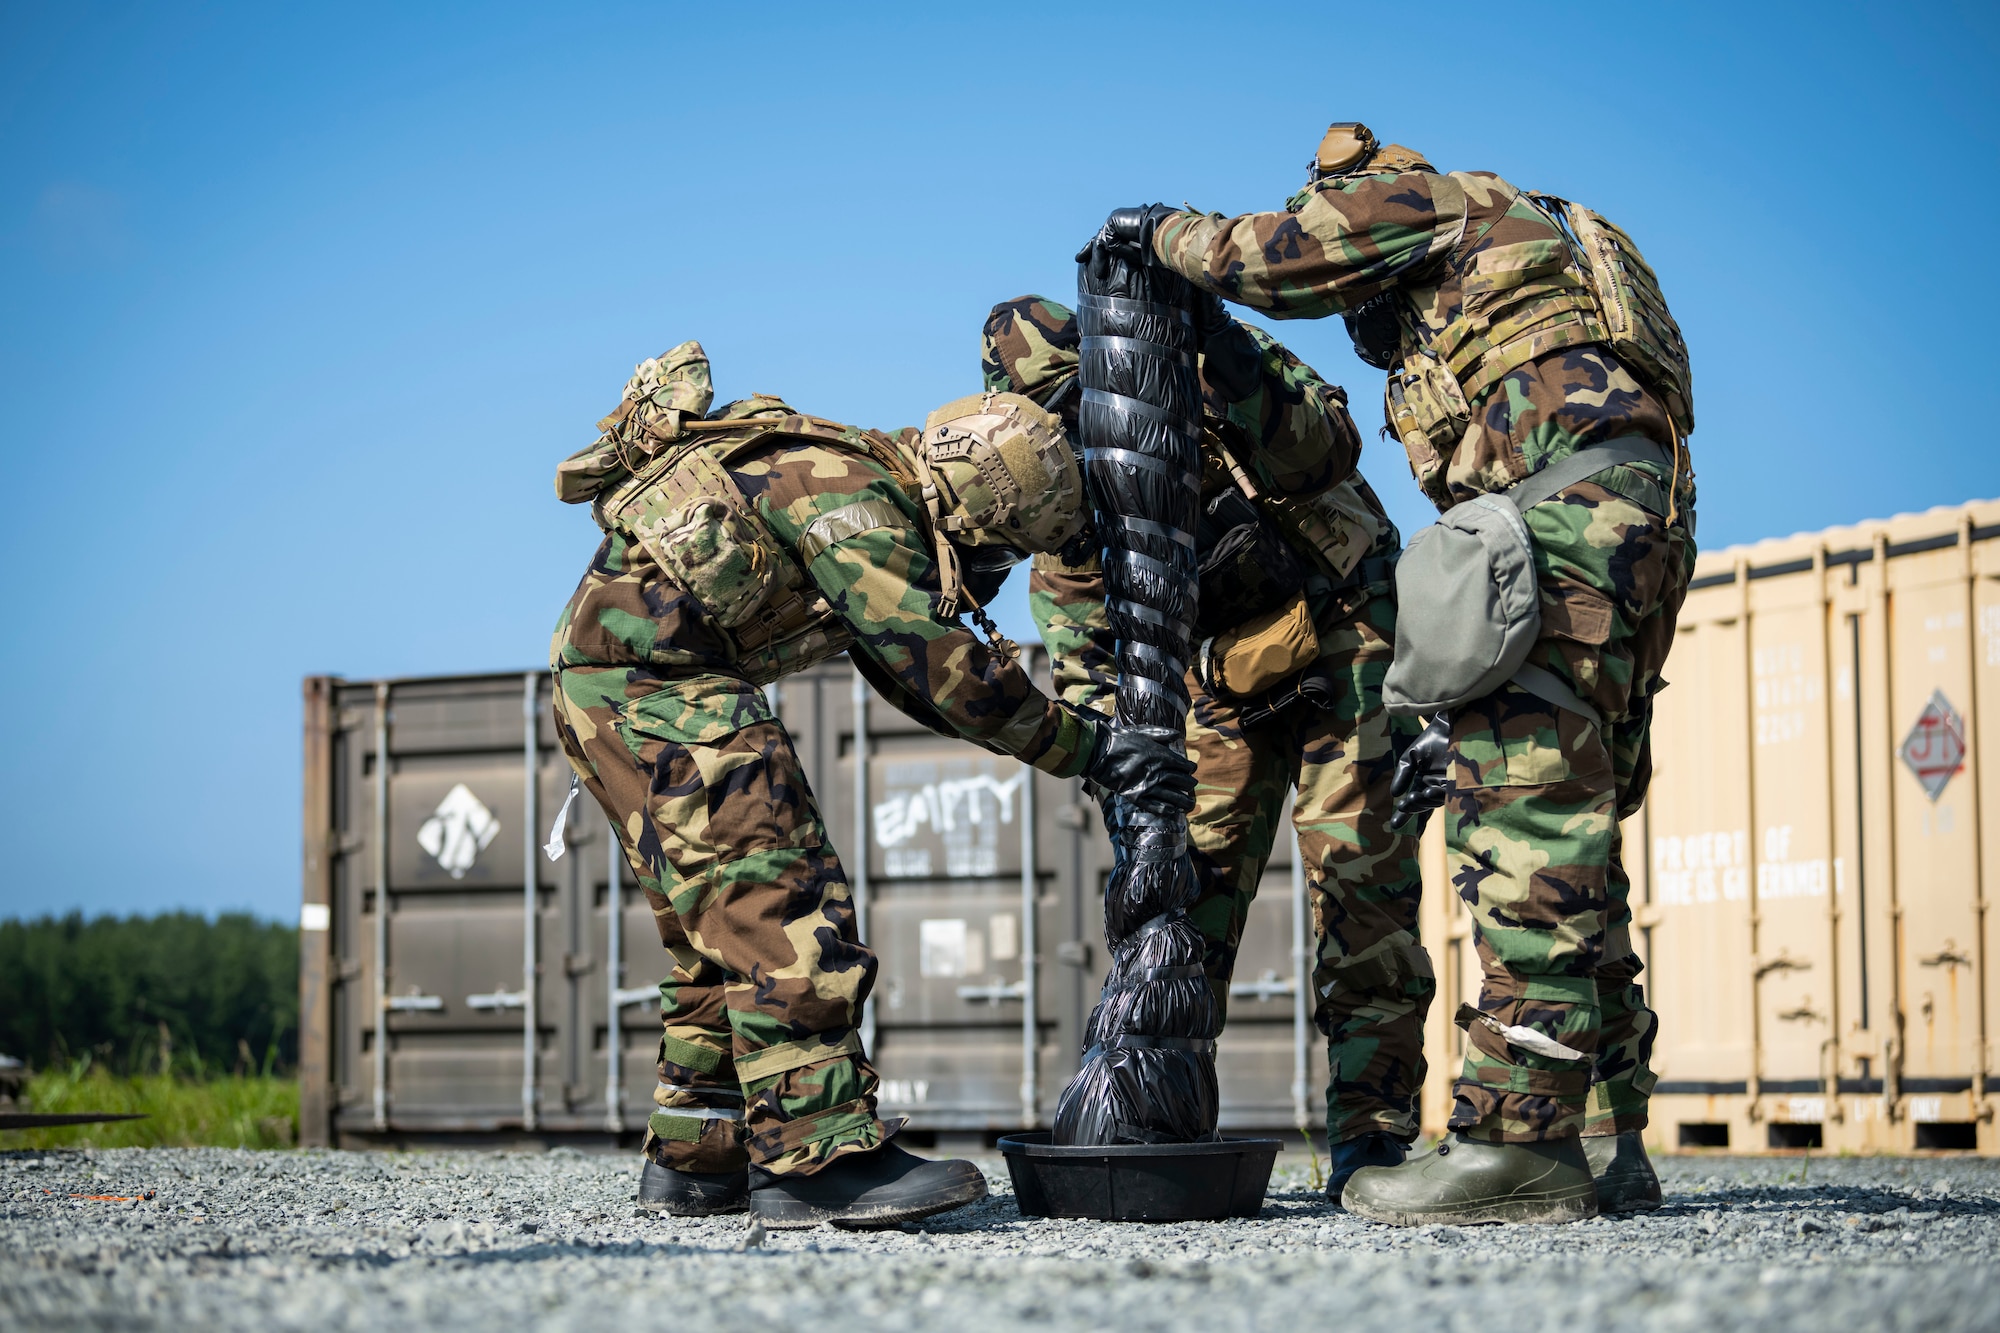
{"type": "Point", "coordinates": [1350, 148]}
{"type": "Point", "coordinates": [998, 471]}
{"type": "Point", "coordinates": [1028, 346]}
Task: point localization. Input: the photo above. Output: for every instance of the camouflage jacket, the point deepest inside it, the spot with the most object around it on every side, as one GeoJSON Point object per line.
{"type": "Point", "coordinates": [1345, 240]}
{"type": "Point", "coordinates": [1295, 438]}
{"type": "Point", "coordinates": [880, 585]}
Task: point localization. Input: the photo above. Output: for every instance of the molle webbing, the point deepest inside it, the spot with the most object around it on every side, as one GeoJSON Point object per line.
{"type": "Point", "coordinates": [795, 627]}
{"type": "Point", "coordinates": [1518, 302]}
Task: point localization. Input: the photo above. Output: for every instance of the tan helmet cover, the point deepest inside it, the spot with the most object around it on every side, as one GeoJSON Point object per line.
{"type": "Point", "coordinates": [1350, 148]}
{"type": "Point", "coordinates": [1001, 472]}
{"type": "Point", "coordinates": [1346, 145]}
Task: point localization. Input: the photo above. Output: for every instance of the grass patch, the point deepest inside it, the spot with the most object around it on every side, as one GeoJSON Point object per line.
{"type": "Point", "coordinates": [249, 1111]}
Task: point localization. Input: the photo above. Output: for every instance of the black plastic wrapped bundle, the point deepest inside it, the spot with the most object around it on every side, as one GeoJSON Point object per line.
{"type": "Point", "coordinates": [1148, 1072]}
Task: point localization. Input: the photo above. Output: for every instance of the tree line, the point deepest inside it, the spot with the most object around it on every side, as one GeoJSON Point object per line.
{"type": "Point", "coordinates": [173, 993]}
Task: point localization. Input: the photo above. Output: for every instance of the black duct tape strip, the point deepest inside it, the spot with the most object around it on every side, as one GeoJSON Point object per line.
{"type": "Point", "coordinates": [1139, 407]}
{"type": "Point", "coordinates": [1153, 925]}
{"type": "Point", "coordinates": [1106, 454]}
{"type": "Point", "coordinates": [1148, 527]}
{"type": "Point", "coordinates": [1135, 1042]}
{"type": "Point", "coordinates": [1109, 342]}
{"type": "Point", "coordinates": [1159, 569]}
{"type": "Point", "coordinates": [1125, 305]}
{"type": "Point", "coordinates": [1147, 685]}
{"type": "Point", "coordinates": [1156, 844]}
{"type": "Point", "coordinates": [1155, 856]}
{"type": "Point", "coordinates": [1146, 613]}
{"type": "Point", "coordinates": [1168, 667]}
{"type": "Point", "coordinates": [1184, 972]}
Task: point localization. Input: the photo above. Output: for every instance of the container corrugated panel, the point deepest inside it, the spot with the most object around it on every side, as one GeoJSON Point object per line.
{"type": "Point", "coordinates": [458, 1003]}
{"type": "Point", "coordinates": [1811, 866]}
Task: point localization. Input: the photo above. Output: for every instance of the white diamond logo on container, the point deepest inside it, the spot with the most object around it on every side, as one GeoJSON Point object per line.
{"type": "Point", "coordinates": [1935, 747]}
{"type": "Point", "coordinates": [458, 831]}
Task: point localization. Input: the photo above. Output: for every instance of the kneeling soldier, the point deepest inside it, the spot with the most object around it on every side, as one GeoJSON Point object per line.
{"type": "Point", "coordinates": [739, 547]}
{"type": "Point", "coordinates": [1296, 623]}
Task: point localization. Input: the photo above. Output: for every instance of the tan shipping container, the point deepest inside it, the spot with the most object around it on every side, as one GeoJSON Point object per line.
{"type": "Point", "coordinates": [1810, 869]}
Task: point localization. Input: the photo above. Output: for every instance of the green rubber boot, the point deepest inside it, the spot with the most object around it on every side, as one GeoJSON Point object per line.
{"type": "Point", "coordinates": [1463, 1182]}
{"type": "Point", "coordinates": [1624, 1175]}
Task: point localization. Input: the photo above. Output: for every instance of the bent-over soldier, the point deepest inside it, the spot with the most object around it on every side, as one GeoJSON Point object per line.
{"type": "Point", "coordinates": [740, 546]}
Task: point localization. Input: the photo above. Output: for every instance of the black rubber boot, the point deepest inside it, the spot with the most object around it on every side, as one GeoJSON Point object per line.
{"type": "Point", "coordinates": [1623, 1173]}
{"type": "Point", "coordinates": [692, 1193]}
{"type": "Point", "coordinates": [872, 1189]}
{"type": "Point", "coordinates": [1377, 1148]}
{"type": "Point", "coordinates": [1463, 1182]}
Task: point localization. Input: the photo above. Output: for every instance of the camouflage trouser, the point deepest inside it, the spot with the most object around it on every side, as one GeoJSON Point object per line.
{"type": "Point", "coordinates": [760, 1052]}
{"type": "Point", "coordinates": [1532, 827]}
{"type": "Point", "coordinates": [1372, 980]}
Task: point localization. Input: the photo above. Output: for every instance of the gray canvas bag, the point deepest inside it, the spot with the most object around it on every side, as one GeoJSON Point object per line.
{"type": "Point", "coordinates": [1467, 606]}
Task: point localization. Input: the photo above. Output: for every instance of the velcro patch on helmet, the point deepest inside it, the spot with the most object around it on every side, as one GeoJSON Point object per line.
{"type": "Point", "coordinates": [1006, 470]}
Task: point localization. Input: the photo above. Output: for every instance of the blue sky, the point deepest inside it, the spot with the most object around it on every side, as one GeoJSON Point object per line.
{"type": "Point", "coordinates": [302, 304]}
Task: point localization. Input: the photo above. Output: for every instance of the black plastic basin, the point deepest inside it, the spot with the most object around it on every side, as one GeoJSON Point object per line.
{"type": "Point", "coordinates": [1140, 1182]}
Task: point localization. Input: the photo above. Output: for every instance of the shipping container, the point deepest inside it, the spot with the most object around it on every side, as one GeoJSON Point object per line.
{"type": "Point", "coordinates": [1810, 868]}
{"type": "Point", "coordinates": [443, 998]}
{"type": "Point", "coordinates": [1808, 890]}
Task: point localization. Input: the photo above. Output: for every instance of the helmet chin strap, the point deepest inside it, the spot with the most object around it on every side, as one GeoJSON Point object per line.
{"type": "Point", "coordinates": [951, 580]}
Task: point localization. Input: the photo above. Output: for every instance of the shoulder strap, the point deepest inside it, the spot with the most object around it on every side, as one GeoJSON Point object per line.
{"type": "Point", "coordinates": [1586, 463]}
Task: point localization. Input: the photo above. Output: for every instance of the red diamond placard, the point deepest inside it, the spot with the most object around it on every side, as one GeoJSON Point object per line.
{"type": "Point", "coordinates": [1935, 747]}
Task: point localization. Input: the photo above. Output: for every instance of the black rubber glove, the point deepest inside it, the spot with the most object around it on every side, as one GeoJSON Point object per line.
{"type": "Point", "coordinates": [1131, 764]}
{"type": "Point", "coordinates": [1128, 232]}
{"type": "Point", "coordinates": [1423, 776]}
{"type": "Point", "coordinates": [1231, 361]}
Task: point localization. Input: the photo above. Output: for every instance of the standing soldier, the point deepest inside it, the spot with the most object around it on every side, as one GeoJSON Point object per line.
{"type": "Point", "coordinates": [1296, 621]}
{"type": "Point", "coordinates": [1530, 356]}
{"type": "Point", "coordinates": [741, 546]}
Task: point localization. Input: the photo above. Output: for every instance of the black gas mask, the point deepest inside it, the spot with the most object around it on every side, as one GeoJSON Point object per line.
{"type": "Point", "coordinates": [983, 569]}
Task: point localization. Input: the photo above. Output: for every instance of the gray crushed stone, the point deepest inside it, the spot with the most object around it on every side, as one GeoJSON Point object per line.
{"type": "Point", "coordinates": [450, 1240]}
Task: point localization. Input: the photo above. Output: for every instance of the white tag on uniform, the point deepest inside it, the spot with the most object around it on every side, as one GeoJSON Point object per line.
{"type": "Point", "coordinates": [555, 847]}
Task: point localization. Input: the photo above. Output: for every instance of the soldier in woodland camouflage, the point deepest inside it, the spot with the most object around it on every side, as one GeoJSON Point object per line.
{"type": "Point", "coordinates": [1372, 981]}
{"type": "Point", "coordinates": [739, 546]}
{"type": "Point", "coordinates": [1469, 292]}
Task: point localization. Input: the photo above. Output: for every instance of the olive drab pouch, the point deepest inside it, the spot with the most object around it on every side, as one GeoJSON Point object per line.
{"type": "Point", "coordinates": [1260, 654]}
{"type": "Point", "coordinates": [1468, 604]}
{"type": "Point", "coordinates": [1641, 330]}
{"type": "Point", "coordinates": [1467, 607]}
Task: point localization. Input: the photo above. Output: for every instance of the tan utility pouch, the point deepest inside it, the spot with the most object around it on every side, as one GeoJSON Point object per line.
{"type": "Point", "coordinates": [1259, 654]}
{"type": "Point", "coordinates": [692, 522]}
{"type": "Point", "coordinates": [1426, 406]}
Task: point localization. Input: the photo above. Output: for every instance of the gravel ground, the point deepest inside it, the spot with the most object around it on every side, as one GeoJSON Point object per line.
{"type": "Point", "coordinates": [233, 1240]}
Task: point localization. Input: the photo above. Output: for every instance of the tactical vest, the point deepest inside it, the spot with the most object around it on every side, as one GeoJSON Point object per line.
{"type": "Point", "coordinates": [1582, 283]}
{"type": "Point", "coordinates": [685, 510]}
{"type": "Point", "coordinates": [1337, 526]}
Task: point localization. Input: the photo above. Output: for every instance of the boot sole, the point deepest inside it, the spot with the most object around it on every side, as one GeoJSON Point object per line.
{"type": "Point", "coordinates": [1569, 1206]}
{"type": "Point", "coordinates": [1622, 1206]}
{"type": "Point", "coordinates": [695, 1208]}
{"type": "Point", "coordinates": [789, 1214]}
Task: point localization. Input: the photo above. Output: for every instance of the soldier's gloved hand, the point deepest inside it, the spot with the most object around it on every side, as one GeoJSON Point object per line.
{"type": "Point", "coordinates": [1148, 774]}
{"type": "Point", "coordinates": [1231, 361]}
{"type": "Point", "coordinates": [1128, 232]}
{"type": "Point", "coordinates": [1423, 776]}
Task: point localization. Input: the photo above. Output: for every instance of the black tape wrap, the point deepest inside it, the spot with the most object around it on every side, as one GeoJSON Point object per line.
{"type": "Point", "coordinates": [1148, 1072]}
